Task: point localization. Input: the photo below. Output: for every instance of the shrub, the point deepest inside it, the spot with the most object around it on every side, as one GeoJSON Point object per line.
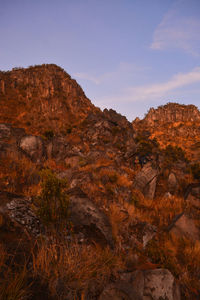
{"type": "Point", "coordinates": [49, 134]}
{"type": "Point", "coordinates": [145, 145]}
{"type": "Point", "coordinates": [69, 130]}
{"type": "Point", "coordinates": [53, 203]}
{"type": "Point", "coordinates": [195, 169]}
{"type": "Point", "coordinates": [173, 154]}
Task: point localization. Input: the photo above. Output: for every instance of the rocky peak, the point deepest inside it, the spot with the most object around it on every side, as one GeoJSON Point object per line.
{"type": "Point", "coordinates": [172, 112]}
{"type": "Point", "coordinates": [42, 97]}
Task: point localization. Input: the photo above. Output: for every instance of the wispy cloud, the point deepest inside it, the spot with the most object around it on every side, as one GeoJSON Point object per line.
{"type": "Point", "coordinates": [157, 90]}
{"type": "Point", "coordinates": [178, 30]}
{"type": "Point", "coordinates": [122, 68]}
{"type": "Point", "coordinates": [161, 89]}
{"type": "Point", "coordinates": [87, 76]}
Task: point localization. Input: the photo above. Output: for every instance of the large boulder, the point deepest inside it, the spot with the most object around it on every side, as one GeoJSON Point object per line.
{"type": "Point", "coordinates": [87, 218]}
{"type": "Point", "coordinates": [145, 180]}
{"type": "Point", "coordinates": [5, 131]}
{"type": "Point", "coordinates": [192, 195]}
{"type": "Point", "coordinates": [160, 284]}
{"type": "Point", "coordinates": [184, 226]}
{"type": "Point", "coordinates": [154, 284]}
{"type": "Point", "coordinates": [172, 183]}
{"type": "Point", "coordinates": [18, 210]}
{"type": "Point", "coordinates": [121, 290]}
{"type": "Point", "coordinates": [33, 146]}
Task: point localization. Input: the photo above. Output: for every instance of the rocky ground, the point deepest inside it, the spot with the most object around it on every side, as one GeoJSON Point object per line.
{"type": "Point", "coordinates": [99, 209]}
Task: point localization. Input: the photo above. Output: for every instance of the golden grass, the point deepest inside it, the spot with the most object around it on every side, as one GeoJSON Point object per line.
{"type": "Point", "coordinates": [77, 266]}
{"type": "Point", "coordinates": [12, 284]}
{"type": "Point", "coordinates": [117, 218]}
{"type": "Point", "coordinates": [123, 180]}
{"type": "Point", "coordinates": [52, 164]}
{"type": "Point", "coordinates": [14, 287]}
{"type": "Point", "coordinates": [15, 172]}
{"type": "Point", "coordinates": [159, 211]}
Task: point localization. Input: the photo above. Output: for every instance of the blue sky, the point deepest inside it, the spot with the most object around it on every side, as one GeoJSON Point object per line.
{"type": "Point", "coordinates": [128, 55]}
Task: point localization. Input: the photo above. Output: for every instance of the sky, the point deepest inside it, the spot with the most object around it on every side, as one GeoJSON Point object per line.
{"type": "Point", "coordinates": [128, 55]}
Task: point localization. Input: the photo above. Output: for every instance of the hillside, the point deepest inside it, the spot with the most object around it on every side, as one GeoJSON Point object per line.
{"type": "Point", "coordinates": [91, 206]}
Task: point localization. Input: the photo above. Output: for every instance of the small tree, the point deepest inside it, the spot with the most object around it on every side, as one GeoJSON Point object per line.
{"type": "Point", "coordinates": [53, 203]}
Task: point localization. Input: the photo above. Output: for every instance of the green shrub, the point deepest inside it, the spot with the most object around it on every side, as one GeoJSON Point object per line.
{"type": "Point", "coordinates": [53, 203]}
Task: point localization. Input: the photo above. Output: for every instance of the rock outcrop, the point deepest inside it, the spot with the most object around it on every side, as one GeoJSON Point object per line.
{"type": "Point", "coordinates": [33, 146]}
{"type": "Point", "coordinates": [172, 112]}
{"type": "Point", "coordinates": [42, 98]}
{"type": "Point", "coordinates": [175, 124]}
{"type": "Point", "coordinates": [18, 209]}
{"type": "Point", "coordinates": [145, 180]}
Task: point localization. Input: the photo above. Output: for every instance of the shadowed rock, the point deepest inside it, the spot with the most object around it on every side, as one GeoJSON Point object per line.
{"type": "Point", "coordinates": [185, 226]}
{"type": "Point", "coordinates": [86, 217]}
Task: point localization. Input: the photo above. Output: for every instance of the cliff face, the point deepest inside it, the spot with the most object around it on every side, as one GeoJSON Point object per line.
{"type": "Point", "coordinates": [42, 98]}
{"type": "Point", "coordinates": [175, 124]}
{"type": "Point", "coordinates": [172, 112]}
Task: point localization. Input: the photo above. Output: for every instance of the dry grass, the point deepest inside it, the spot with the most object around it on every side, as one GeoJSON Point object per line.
{"type": "Point", "coordinates": [182, 257]}
{"type": "Point", "coordinates": [53, 165]}
{"type": "Point", "coordinates": [123, 180]}
{"type": "Point", "coordinates": [159, 211]}
{"type": "Point", "coordinates": [2, 256]}
{"type": "Point", "coordinates": [76, 266]}
{"type": "Point", "coordinates": [13, 284]}
{"type": "Point", "coordinates": [16, 174]}
{"type": "Point", "coordinates": [118, 220]}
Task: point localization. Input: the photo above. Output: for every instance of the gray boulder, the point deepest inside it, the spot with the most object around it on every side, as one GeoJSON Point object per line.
{"type": "Point", "coordinates": [33, 146]}
{"type": "Point", "coordinates": [172, 183]}
{"type": "Point", "coordinates": [145, 181]}
{"type": "Point", "coordinates": [160, 284]}
{"type": "Point", "coordinates": [154, 284]}
{"type": "Point", "coordinates": [18, 210]}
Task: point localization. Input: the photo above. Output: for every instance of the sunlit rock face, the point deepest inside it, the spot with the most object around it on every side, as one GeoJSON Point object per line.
{"type": "Point", "coordinates": [173, 112]}
{"type": "Point", "coordinates": [42, 97]}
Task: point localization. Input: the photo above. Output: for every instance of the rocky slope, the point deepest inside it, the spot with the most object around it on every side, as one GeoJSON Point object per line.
{"type": "Point", "coordinates": [96, 211]}
{"type": "Point", "coordinates": [175, 124]}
